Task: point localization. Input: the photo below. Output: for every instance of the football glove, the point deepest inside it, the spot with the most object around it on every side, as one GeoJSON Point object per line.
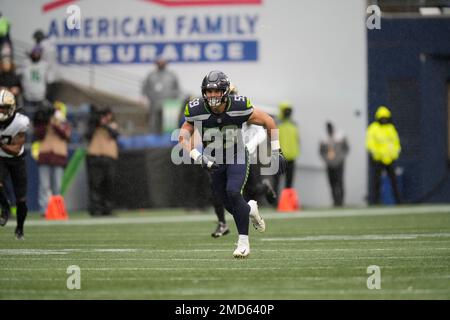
{"type": "Point", "coordinates": [204, 160]}
{"type": "Point", "coordinates": [209, 164]}
{"type": "Point", "coordinates": [277, 155]}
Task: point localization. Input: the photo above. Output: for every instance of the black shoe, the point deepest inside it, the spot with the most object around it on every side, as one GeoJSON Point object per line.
{"type": "Point", "coordinates": [4, 216]}
{"type": "Point", "coordinates": [271, 195]}
{"type": "Point", "coordinates": [221, 230]}
{"type": "Point", "coordinates": [19, 234]}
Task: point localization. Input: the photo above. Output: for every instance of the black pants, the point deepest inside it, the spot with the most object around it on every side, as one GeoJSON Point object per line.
{"type": "Point", "coordinates": [254, 188]}
{"type": "Point", "coordinates": [336, 180]}
{"type": "Point", "coordinates": [289, 175]}
{"type": "Point", "coordinates": [377, 168]}
{"type": "Point", "coordinates": [17, 169]}
{"type": "Point", "coordinates": [101, 172]}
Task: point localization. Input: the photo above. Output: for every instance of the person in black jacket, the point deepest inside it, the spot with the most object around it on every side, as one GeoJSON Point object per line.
{"type": "Point", "coordinates": [101, 160]}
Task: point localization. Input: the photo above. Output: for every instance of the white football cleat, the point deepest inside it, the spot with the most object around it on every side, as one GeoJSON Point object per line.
{"type": "Point", "coordinates": [257, 220]}
{"type": "Point", "coordinates": [242, 250]}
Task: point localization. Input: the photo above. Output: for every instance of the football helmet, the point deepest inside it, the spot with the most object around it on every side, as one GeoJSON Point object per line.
{"type": "Point", "coordinates": [8, 102]}
{"type": "Point", "coordinates": [219, 81]}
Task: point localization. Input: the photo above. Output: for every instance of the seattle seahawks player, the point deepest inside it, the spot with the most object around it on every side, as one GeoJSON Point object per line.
{"type": "Point", "coordinates": [218, 117]}
{"type": "Point", "coordinates": [13, 127]}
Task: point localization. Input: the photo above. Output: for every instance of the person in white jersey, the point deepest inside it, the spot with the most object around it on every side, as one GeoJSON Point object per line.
{"type": "Point", "coordinates": [13, 128]}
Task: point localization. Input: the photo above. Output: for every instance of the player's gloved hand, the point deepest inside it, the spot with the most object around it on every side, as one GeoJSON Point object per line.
{"type": "Point", "coordinates": [205, 161]}
{"type": "Point", "coordinates": [277, 156]}
{"type": "Point", "coordinates": [208, 163]}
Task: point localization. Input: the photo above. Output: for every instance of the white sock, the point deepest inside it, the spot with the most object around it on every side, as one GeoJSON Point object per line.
{"type": "Point", "coordinates": [243, 238]}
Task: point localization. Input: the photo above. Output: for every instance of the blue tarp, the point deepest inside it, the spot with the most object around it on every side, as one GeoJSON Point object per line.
{"type": "Point", "coordinates": [145, 141]}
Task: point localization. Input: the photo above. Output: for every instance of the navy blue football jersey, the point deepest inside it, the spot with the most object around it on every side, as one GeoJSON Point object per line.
{"type": "Point", "coordinates": [237, 111]}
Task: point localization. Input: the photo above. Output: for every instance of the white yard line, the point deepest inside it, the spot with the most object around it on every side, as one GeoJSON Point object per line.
{"type": "Point", "coordinates": [197, 279]}
{"type": "Point", "coordinates": [272, 215]}
{"type": "Point", "coordinates": [292, 259]}
{"type": "Point", "coordinates": [12, 255]}
{"type": "Point", "coordinates": [250, 293]}
{"type": "Point", "coordinates": [5, 252]}
{"type": "Point", "coordinates": [346, 237]}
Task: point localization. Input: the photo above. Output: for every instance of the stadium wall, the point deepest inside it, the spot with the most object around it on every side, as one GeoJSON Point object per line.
{"type": "Point", "coordinates": [409, 71]}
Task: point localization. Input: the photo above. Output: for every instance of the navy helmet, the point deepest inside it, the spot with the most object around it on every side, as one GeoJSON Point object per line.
{"type": "Point", "coordinates": [219, 81]}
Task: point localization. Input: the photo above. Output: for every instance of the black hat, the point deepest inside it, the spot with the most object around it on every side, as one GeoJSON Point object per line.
{"type": "Point", "coordinates": [39, 35]}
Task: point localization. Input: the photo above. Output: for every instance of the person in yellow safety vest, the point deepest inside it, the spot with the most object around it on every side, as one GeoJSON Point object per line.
{"type": "Point", "coordinates": [383, 144]}
{"type": "Point", "coordinates": [289, 141]}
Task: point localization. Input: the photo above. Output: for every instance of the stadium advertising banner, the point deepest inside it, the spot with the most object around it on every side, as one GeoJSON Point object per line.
{"type": "Point", "coordinates": [142, 36]}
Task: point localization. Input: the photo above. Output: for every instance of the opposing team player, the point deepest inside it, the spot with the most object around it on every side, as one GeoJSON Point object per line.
{"type": "Point", "coordinates": [219, 112]}
{"type": "Point", "coordinates": [13, 128]}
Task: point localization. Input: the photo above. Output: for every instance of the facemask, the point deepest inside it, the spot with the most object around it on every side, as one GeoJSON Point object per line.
{"type": "Point", "coordinates": [214, 101]}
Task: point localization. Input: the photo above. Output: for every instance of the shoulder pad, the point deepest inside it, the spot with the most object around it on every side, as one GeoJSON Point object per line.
{"type": "Point", "coordinates": [196, 110]}
{"type": "Point", "coordinates": [17, 123]}
{"type": "Point", "coordinates": [240, 102]}
{"type": "Point", "coordinates": [23, 122]}
{"type": "Point", "coordinates": [239, 106]}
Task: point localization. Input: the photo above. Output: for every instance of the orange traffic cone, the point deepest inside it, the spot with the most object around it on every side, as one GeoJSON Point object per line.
{"type": "Point", "coordinates": [56, 209]}
{"type": "Point", "coordinates": [289, 201]}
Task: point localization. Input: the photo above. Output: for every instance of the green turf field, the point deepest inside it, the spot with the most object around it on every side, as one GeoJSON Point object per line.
{"type": "Point", "coordinates": [313, 254]}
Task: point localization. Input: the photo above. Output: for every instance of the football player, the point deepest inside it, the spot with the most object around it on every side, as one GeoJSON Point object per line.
{"type": "Point", "coordinates": [222, 228]}
{"type": "Point", "coordinates": [219, 112]}
{"type": "Point", "coordinates": [13, 128]}
{"type": "Point", "coordinates": [254, 186]}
